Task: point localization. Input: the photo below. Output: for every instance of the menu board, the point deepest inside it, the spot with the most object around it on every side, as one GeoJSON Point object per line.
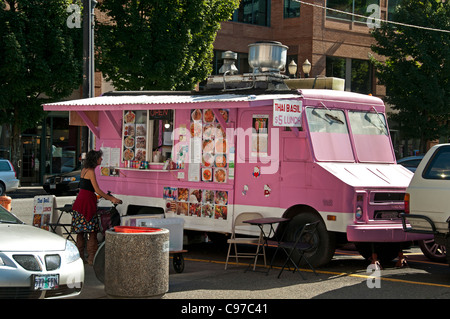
{"type": "Point", "coordinates": [209, 146]}
{"type": "Point", "coordinates": [43, 211]}
{"type": "Point", "coordinates": [110, 162]}
{"type": "Point", "coordinates": [134, 137]}
{"type": "Point", "coordinates": [203, 203]}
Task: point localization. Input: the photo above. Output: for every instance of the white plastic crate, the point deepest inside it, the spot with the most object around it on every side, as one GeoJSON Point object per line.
{"type": "Point", "coordinates": [174, 225]}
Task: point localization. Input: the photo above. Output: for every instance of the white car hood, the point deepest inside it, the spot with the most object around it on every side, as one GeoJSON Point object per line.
{"type": "Point", "coordinates": [21, 237]}
{"type": "Point", "coordinates": [370, 175]}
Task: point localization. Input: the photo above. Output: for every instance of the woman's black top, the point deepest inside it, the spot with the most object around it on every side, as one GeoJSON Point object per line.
{"type": "Point", "coordinates": [86, 184]}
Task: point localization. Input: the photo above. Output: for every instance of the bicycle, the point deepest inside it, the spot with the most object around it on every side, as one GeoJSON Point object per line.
{"type": "Point", "coordinates": [108, 217]}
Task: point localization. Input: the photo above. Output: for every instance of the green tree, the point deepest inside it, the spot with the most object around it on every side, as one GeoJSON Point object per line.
{"type": "Point", "coordinates": [416, 69]}
{"type": "Point", "coordinates": [40, 61]}
{"type": "Point", "coordinates": [159, 44]}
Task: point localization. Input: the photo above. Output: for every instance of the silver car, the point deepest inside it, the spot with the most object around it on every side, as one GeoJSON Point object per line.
{"type": "Point", "coordinates": [35, 263]}
{"type": "Point", "coordinates": [8, 178]}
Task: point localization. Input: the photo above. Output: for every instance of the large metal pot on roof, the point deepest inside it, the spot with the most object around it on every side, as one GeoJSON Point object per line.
{"type": "Point", "coordinates": [267, 56]}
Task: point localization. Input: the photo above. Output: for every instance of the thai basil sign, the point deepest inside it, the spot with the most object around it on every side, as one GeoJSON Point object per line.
{"type": "Point", "coordinates": [287, 113]}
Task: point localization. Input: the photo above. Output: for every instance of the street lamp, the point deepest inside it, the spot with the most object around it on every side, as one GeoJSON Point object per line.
{"type": "Point", "coordinates": [292, 68]}
{"type": "Point", "coordinates": [306, 67]}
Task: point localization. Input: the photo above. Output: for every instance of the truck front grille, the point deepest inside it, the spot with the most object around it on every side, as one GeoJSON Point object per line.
{"type": "Point", "coordinates": [388, 197]}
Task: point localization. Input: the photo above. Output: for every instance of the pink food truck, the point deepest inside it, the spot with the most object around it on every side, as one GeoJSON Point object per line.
{"type": "Point", "coordinates": [256, 146]}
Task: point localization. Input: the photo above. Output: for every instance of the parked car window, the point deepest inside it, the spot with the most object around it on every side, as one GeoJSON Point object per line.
{"type": "Point", "coordinates": [7, 217]}
{"type": "Point", "coordinates": [411, 163]}
{"type": "Point", "coordinates": [439, 166]}
{"type": "Point", "coordinates": [4, 166]}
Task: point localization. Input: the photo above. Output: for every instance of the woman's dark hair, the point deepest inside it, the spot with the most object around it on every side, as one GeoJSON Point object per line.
{"type": "Point", "coordinates": [92, 159]}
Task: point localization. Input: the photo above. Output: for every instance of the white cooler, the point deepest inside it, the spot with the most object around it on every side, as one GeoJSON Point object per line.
{"type": "Point", "coordinates": [174, 225]}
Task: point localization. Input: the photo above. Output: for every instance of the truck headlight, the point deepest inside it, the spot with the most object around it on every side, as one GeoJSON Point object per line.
{"type": "Point", "coordinates": [359, 212]}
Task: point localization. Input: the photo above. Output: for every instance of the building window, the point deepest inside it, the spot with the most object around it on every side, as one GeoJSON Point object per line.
{"type": "Point", "coordinates": [357, 73]}
{"type": "Point", "coordinates": [392, 6]}
{"type": "Point", "coordinates": [291, 9]}
{"type": "Point", "coordinates": [361, 76]}
{"type": "Point", "coordinates": [335, 67]}
{"type": "Point", "coordinates": [253, 12]}
{"type": "Point", "coordinates": [353, 7]}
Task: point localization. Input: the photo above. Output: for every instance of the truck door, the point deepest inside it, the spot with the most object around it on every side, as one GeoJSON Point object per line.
{"type": "Point", "coordinates": [295, 167]}
{"type": "Point", "coordinates": [257, 161]}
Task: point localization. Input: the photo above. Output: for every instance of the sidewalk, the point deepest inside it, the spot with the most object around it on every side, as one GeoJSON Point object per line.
{"type": "Point", "coordinates": [93, 288]}
{"type": "Point", "coordinates": [27, 192]}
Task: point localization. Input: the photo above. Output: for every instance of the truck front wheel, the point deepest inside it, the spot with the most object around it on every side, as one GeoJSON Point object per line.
{"type": "Point", "coordinates": [323, 251]}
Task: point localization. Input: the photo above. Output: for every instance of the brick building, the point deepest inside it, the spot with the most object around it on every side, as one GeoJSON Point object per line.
{"type": "Point", "coordinates": [336, 44]}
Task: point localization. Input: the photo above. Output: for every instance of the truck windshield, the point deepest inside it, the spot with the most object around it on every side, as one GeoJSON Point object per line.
{"type": "Point", "coordinates": [371, 137]}
{"type": "Point", "coordinates": [329, 135]}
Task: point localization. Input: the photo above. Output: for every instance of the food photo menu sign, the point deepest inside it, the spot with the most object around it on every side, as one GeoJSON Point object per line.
{"type": "Point", "coordinates": [209, 147]}
{"type": "Point", "coordinates": [203, 203]}
{"type": "Point", "coordinates": [134, 137]}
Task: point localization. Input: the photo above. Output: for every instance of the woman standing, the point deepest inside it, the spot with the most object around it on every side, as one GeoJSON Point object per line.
{"type": "Point", "coordinates": [85, 221]}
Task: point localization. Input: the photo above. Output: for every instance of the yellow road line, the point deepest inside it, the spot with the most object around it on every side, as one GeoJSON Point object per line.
{"type": "Point", "coordinates": [356, 255]}
{"type": "Point", "coordinates": [331, 273]}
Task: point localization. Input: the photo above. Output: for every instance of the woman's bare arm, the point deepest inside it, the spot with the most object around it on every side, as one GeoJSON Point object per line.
{"type": "Point", "coordinates": [90, 174]}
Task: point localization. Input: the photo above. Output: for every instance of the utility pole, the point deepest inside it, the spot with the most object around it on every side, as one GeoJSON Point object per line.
{"type": "Point", "coordinates": [88, 64]}
{"type": "Point", "coordinates": [92, 3]}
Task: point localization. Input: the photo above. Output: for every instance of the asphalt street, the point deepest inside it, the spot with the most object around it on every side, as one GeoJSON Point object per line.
{"type": "Point", "coordinates": [27, 192]}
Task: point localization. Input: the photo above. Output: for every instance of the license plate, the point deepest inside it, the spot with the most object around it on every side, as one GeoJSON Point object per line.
{"type": "Point", "coordinates": [52, 186]}
{"type": "Point", "coordinates": [389, 215]}
{"type": "Point", "coordinates": [45, 282]}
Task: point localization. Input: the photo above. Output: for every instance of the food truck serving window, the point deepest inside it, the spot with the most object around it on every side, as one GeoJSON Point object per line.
{"type": "Point", "coordinates": [371, 136]}
{"type": "Point", "coordinates": [329, 134]}
{"type": "Point", "coordinates": [145, 133]}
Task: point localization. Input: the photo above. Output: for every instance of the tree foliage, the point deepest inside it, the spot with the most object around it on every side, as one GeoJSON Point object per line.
{"type": "Point", "coordinates": [159, 44]}
{"type": "Point", "coordinates": [40, 61]}
{"type": "Point", "coordinates": [416, 70]}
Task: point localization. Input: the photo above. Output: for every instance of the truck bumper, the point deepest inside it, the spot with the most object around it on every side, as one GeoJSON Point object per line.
{"type": "Point", "coordinates": [382, 233]}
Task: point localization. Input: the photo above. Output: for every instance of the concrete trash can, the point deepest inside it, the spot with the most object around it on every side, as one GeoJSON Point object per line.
{"type": "Point", "coordinates": [174, 225]}
{"type": "Point", "coordinates": [136, 262]}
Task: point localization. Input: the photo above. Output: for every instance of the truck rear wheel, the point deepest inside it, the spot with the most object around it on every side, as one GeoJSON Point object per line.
{"type": "Point", "coordinates": [324, 250]}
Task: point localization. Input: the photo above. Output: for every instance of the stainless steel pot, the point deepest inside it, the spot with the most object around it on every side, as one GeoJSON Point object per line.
{"type": "Point", "coordinates": [267, 56]}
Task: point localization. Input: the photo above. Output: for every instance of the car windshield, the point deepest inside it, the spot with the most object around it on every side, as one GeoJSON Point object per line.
{"type": "Point", "coordinates": [8, 218]}
{"type": "Point", "coordinates": [329, 135]}
{"type": "Point", "coordinates": [371, 137]}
